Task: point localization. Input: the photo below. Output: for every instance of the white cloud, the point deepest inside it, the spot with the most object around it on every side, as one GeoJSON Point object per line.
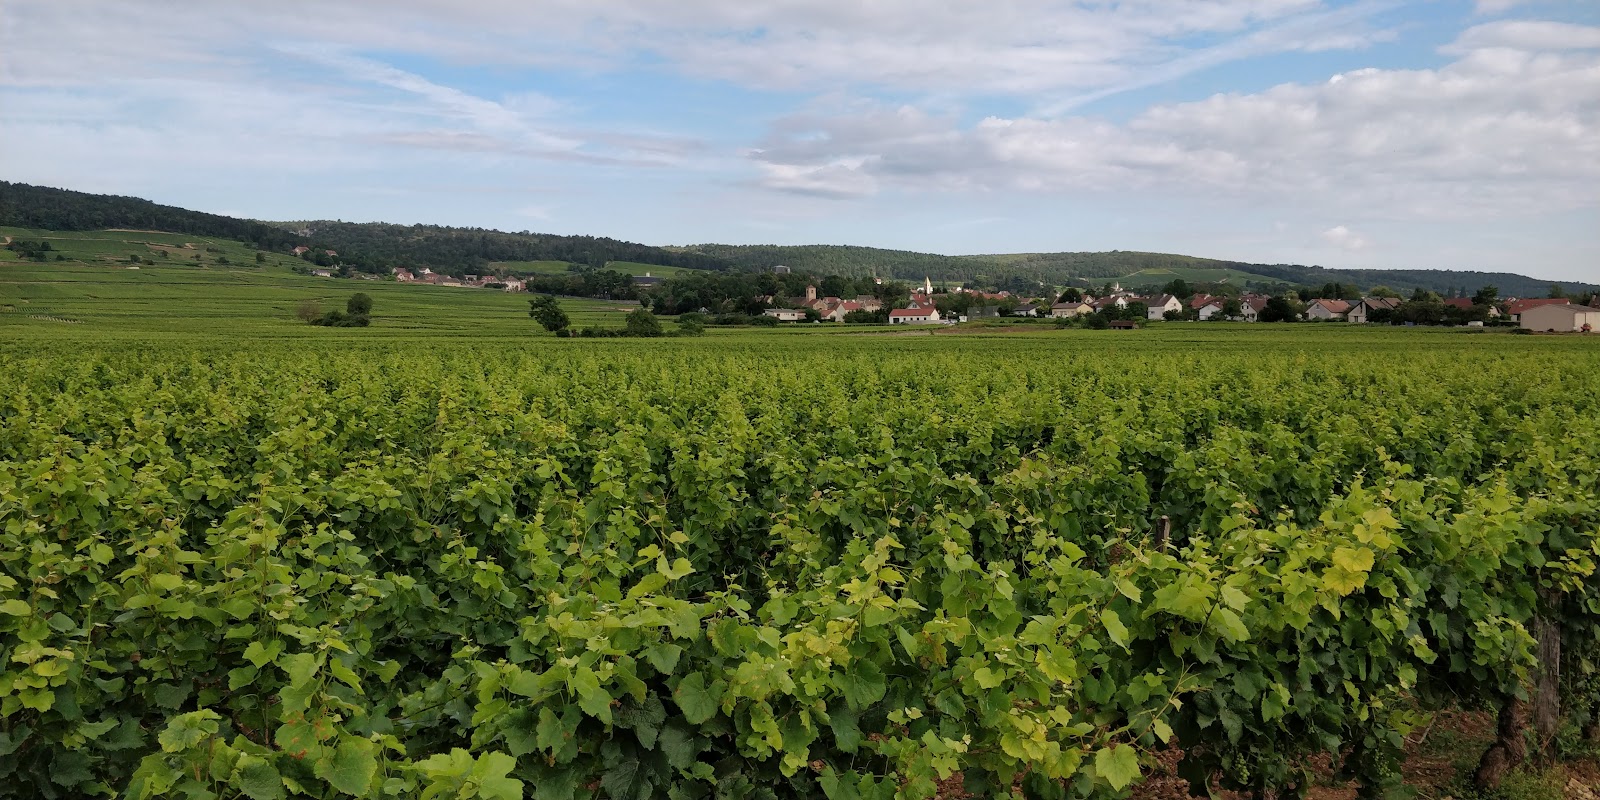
{"type": "Point", "coordinates": [1500, 131]}
{"type": "Point", "coordinates": [1006, 46]}
{"type": "Point", "coordinates": [1529, 35]}
{"type": "Point", "coordinates": [1341, 237]}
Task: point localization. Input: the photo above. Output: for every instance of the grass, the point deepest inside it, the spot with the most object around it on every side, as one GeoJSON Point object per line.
{"type": "Point", "coordinates": [635, 268]}
{"type": "Point", "coordinates": [94, 290]}
{"type": "Point", "coordinates": [563, 267]}
{"type": "Point", "coordinates": [1191, 274]}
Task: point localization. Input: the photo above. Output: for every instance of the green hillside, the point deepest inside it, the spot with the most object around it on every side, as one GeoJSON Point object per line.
{"type": "Point", "coordinates": [375, 247]}
{"type": "Point", "coordinates": [201, 286]}
{"type": "Point", "coordinates": [1131, 268]}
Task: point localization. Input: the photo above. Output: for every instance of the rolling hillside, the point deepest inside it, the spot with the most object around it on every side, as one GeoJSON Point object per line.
{"type": "Point", "coordinates": [1131, 268]}
{"type": "Point", "coordinates": [374, 247]}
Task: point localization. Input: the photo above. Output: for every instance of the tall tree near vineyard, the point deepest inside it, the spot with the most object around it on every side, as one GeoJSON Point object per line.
{"type": "Point", "coordinates": [548, 313]}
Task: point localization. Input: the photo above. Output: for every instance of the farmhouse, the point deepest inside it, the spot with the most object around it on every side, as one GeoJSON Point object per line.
{"type": "Point", "coordinates": [1515, 308]}
{"type": "Point", "coordinates": [1157, 307]}
{"type": "Point", "coordinates": [1070, 309]}
{"type": "Point", "coordinates": [785, 314]}
{"type": "Point", "coordinates": [1324, 309]}
{"type": "Point", "coordinates": [913, 316]}
{"type": "Point", "coordinates": [646, 280]}
{"type": "Point", "coordinates": [1565, 317]}
{"type": "Point", "coordinates": [1250, 308]}
{"type": "Point", "coordinates": [1361, 312]}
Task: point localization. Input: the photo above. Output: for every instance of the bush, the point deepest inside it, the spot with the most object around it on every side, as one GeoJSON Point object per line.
{"type": "Point", "coordinates": [764, 321]}
{"type": "Point", "coordinates": [691, 324]}
{"type": "Point", "coordinates": [642, 323]}
{"type": "Point", "coordinates": [359, 304]}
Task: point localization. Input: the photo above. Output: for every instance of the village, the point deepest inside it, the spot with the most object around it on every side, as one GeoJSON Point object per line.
{"type": "Point", "coordinates": [1126, 309]}
{"type": "Point", "coordinates": [1114, 306]}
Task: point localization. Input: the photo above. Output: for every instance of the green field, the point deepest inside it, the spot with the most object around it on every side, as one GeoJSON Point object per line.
{"type": "Point", "coordinates": [241, 556]}
{"type": "Point", "coordinates": [563, 267]}
{"type": "Point", "coordinates": [1153, 277]}
{"type": "Point", "coordinates": [94, 290]}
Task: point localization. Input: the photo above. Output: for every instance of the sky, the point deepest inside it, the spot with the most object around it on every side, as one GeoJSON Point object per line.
{"type": "Point", "coordinates": [1420, 135]}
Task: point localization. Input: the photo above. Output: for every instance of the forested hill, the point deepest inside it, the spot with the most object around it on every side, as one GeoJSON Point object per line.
{"type": "Point", "coordinates": [373, 246]}
{"type": "Point", "coordinates": [376, 246]}
{"type": "Point", "coordinates": [25, 206]}
{"type": "Point", "coordinates": [1132, 268]}
{"type": "Point", "coordinates": [464, 249]}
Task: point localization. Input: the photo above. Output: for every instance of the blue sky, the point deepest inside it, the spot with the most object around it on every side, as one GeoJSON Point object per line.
{"type": "Point", "coordinates": [1439, 134]}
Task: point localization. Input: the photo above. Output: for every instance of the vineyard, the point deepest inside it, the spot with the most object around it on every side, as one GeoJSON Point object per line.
{"type": "Point", "coordinates": [784, 567]}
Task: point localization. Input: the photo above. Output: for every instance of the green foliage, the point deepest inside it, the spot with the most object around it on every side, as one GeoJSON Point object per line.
{"type": "Point", "coordinates": [547, 312]}
{"type": "Point", "coordinates": [642, 323]}
{"type": "Point", "coordinates": [359, 305]}
{"type": "Point", "coordinates": [748, 566]}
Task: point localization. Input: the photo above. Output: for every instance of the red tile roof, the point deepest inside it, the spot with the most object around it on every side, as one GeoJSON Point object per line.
{"type": "Point", "coordinates": [1519, 306]}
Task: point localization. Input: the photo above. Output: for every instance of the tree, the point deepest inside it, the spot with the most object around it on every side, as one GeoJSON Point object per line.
{"type": "Point", "coordinates": [1172, 315]}
{"type": "Point", "coordinates": [1071, 295]}
{"type": "Point", "coordinates": [261, 258]}
{"type": "Point", "coordinates": [1421, 295]}
{"type": "Point", "coordinates": [1135, 311]}
{"type": "Point", "coordinates": [691, 324]}
{"type": "Point", "coordinates": [547, 312]}
{"type": "Point", "coordinates": [359, 304]}
{"type": "Point", "coordinates": [1487, 296]}
{"type": "Point", "coordinates": [1279, 309]}
{"type": "Point", "coordinates": [1179, 288]}
{"type": "Point", "coordinates": [1384, 291]}
{"type": "Point", "coordinates": [643, 323]}
{"type": "Point", "coordinates": [308, 311]}
{"type": "Point", "coordinates": [813, 315]}
{"type": "Point", "coordinates": [1557, 291]}
{"type": "Point", "coordinates": [1233, 308]}
{"type": "Point", "coordinates": [834, 286]}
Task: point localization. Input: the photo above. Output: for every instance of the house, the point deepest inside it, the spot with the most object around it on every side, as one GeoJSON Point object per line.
{"type": "Point", "coordinates": [1566, 317]}
{"type": "Point", "coordinates": [836, 310]}
{"type": "Point", "coordinates": [1070, 309]}
{"type": "Point", "coordinates": [1324, 309]}
{"type": "Point", "coordinates": [983, 312]}
{"type": "Point", "coordinates": [868, 302]}
{"type": "Point", "coordinates": [914, 316]}
{"type": "Point", "coordinates": [514, 285]}
{"type": "Point", "coordinates": [330, 253]}
{"type": "Point", "coordinates": [1361, 312]}
{"type": "Point", "coordinates": [322, 273]}
{"type": "Point", "coordinates": [1157, 307]}
{"type": "Point", "coordinates": [1210, 308]}
{"type": "Point", "coordinates": [646, 280]}
{"type": "Point", "coordinates": [779, 269]}
{"type": "Point", "coordinates": [1515, 308]}
{"type": "Point", "coordinates": [1123, 324]}
{"type": "Point", "coordinates": [786, 314]}
{"type": "Point", "coordinates": [301, 250]}
{"type": "Point", "coordinates": [1250, 308]}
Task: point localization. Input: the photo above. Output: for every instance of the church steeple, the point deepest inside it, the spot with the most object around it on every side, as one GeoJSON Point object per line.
{"type": "Point", "coordinates": [927, 285]}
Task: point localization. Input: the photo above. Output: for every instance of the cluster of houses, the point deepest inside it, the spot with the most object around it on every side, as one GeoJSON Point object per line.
{"type": "Point", "coordinates": [829, 308]}
{"type": "Point", "coordinates": [428, 276]}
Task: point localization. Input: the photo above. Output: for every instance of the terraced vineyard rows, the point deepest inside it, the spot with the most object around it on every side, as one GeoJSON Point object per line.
{"type": "Point", "coordinates": [774, 568]}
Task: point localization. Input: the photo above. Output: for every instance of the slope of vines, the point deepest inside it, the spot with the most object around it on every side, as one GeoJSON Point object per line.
{"type": "Point", "coordinates": [773, 568]}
